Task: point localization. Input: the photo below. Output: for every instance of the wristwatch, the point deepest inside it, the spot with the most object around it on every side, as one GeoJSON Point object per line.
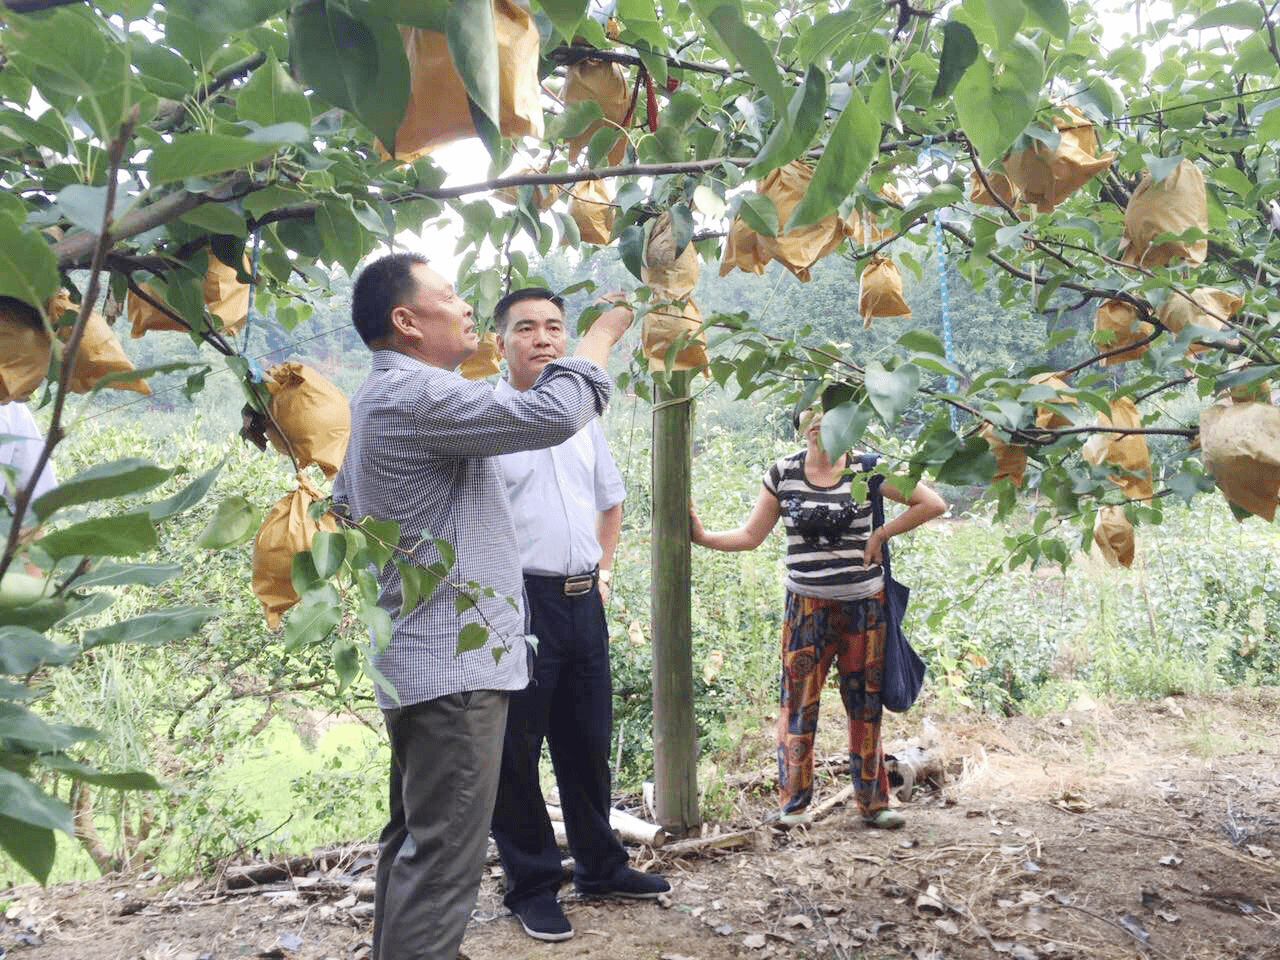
{"type": "Point", "coordinates": [605, 576]}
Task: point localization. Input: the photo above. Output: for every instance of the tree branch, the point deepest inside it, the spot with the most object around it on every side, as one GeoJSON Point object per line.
{"type": "Point", "coordinates": [71, 251]}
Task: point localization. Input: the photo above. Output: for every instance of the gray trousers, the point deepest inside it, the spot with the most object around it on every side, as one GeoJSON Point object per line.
{"type": "Point", "coordinates": [445, 756]}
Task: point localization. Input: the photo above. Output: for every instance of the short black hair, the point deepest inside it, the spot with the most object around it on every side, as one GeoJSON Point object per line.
{"type": "Point", "coordinates": [382, 286]}
{"type": "Point", "coordinates": [830, 398]}
{"type": "Point", "coordinates": [21, 311]}
{"type": "Point", "coordinates": [515, 296]}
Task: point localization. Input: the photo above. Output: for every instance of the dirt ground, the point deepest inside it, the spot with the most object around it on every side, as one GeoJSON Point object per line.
{"type": "Point", "coordinates": [1110, 831]}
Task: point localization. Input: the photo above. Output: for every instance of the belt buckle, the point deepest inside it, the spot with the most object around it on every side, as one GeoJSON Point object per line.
{"type": "Point", "coordinates": [577, 586]}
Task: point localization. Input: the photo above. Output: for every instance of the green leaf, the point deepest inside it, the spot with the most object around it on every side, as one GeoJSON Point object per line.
{"type": "Point", "coordinates": [681, 226]}
{"type": "Point", "coordinates": [473, 45]}
{"type": "Point", "coordinates": [631, 249]}
{"type": "Point", "coordinates": [28, 267]}
{"type": "Point", "coordinates": [121, 536]}
{"type": "Point", "coordinates": [796, 127]}
{"type": "Point", "coordinates": [994, 109]}
{"type": "Point", "coordinates": [854, 143]}
{"type": "Point", "coordinates": [109, 574]}
{"type": "Point", "coordinates": [203, 154]}
{"type": "Point", "coordinates": [1006, 16]}
{"type": "Point", "coordinates": [425, 14]}
{"type": "Point", "coordinates": [1246, 16]}
{"type": "Point", "coordinates": [922, 341]}
{"type": "Point", "coordinates": [565, 14]}
{"type": "Point", "coordinates": [973, 463]}
{"type": "Point", "coordinates": [328, 550]}
{"type": "Point", "coordinates": [23, 650]}
{"type": "Point", "coordinates": [33, 733]}
{"type": "Point", "coordinates": [234, 521]}
{"type": "Point", "coordinates": [187, 497]}
{"type": "Point", "coordinates": [103, 482]}
{"type": "Point", "coordinates": [744, 45]}
{"type": "Point", "coordinates": [959, 51]}
{"type": "Point", "coordinates": [161, 70]}
{"type": "Point", "coordinates": [1053, 14]}
{"type": "Point", "coordinates": [153, 629]}
{"type": "Point", "coordinates": [85, 206]}
{"type": "Point", "coordinates": [758, 212]}
{"type": "Point", "coordinates": [229, 16]}
{"type": "Point", "coordinates": [473, 636]}
{"type": "Point", "coordinates": [272, 96]}
{"type": "Point", "coordinates": [843, 426]}
{"type": "Point", "coordinates": [313, 619]}
{"type": "Point", "coordinates": [347, 659]}
{"type": "Point", "coordinates": [890, 391]}
{"type": "Point", "coordinates": [32, 848]}
{"type": "Point", "coordinates": [1161, 167]}
{"type": "Point", "coordinates": [943, 195]}
{"type": "Point", "coordinates": [383, 538]}
{"type": "Point", "coordinates": [217, 218]}
{"type": "Point", "coordinates": [354, 60]}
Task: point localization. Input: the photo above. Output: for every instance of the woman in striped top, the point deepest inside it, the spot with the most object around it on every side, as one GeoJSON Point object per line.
{"type": "Point", "coordinates": [834, 610]}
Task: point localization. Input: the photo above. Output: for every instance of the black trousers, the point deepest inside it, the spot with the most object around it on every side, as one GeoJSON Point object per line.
{"type": "Point", "coordinates": [443, 778]}
{"type": "Point", "coordinates": [569, 703]}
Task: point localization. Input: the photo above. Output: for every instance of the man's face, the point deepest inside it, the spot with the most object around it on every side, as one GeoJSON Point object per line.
{"type": "Point", "coordinates": [438, 320]}
{"type": "Point", "coordinates": [535, 336]}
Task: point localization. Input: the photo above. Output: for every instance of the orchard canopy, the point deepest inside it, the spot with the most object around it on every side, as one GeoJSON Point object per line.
{"type": "Point", "coordinates": [160, 161]}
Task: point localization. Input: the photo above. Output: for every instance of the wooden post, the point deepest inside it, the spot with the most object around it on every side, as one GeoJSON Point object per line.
{"type": "Point", "coordinates": [675, 740]}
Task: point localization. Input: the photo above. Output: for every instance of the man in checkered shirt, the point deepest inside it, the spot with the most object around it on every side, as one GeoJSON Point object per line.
{"type": "Point", "coordinates": [422, 449]}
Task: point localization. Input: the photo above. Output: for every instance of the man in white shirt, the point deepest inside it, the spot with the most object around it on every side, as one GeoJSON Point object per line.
{"type": "Point", "coordinates": [566, 502]}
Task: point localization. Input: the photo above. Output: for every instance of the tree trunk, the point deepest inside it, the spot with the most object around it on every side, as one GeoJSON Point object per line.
{"type": "Point", "coordinates": [674, 732]}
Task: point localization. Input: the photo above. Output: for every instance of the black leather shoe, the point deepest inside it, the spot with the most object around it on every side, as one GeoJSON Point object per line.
{"type": "Point", "coordinates": [628, 883]}
{"type": "Point", "coordinates": [543, 919]}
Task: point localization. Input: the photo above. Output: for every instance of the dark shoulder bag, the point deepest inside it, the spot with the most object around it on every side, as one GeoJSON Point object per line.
{"type": "Point", "coordinates": [903, 668]}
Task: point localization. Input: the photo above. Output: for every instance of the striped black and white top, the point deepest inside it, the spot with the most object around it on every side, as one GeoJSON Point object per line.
{"type": "Point", "coordinates": [827, 533]}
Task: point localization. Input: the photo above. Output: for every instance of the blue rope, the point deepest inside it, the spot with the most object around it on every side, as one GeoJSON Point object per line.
{"type": "Point", "coordinates": [948, 347]}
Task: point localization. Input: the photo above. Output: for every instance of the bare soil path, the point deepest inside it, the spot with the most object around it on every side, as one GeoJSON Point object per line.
{"type": "Point", "coordinates": [1134, 830]}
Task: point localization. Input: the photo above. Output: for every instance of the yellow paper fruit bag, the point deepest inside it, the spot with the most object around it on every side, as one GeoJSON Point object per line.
{"type": "Point", "coordinates": [1125, 451]}
{"type": "Point", "coordinates": [286, 531]}
{"type": "Point", "coordinates": [311, 413]}
{"type": "Point", "coordinates": [797, 249]}
{"type": "Point", "coordinates": [880, 291]}
{"type": "Point", "coordinates": [1119, 321]}
{"type": "Point", "coordinates": [1174, 205]}
{"type": "Point", "coordinates": [1048, 418]}
{"type": "Point", "coordinates": [1113, 536]}
{"type": "Point", "coordinates": [25, 350]}
{"type": "Point", "coordinates": [1208, 307]}
{"type": "Point", "coordinates": [663, 326]}
{"type": "Point", "coordinates": [1000, 183]}
{"type": "Point", "coordinates": [670, 277]}
{"type": "Point", "coordinates": [437, 112]}
{"type": "Point", "coordinates": [484, 362]}
{"type": "Point", "coordinates": [224, 296]}
{"type": "Point", "coordinates": [1240, 446]}
{"type": "Point", "coordinates": [1046, 176]}
{"type": "Point", "coordinates": [591, 208]}
{"type": "Point", "coordinates": [1011, 459]}
{"type": "Point", "coordinates": [604, 83]}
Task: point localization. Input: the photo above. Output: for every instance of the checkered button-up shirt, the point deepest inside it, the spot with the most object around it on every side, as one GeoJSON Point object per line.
{"type": "Point", "coordinates": [422, 449]}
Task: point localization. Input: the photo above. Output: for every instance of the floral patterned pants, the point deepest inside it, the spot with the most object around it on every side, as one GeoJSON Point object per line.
{"type": "Point", "coordinates": [816, 633]}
